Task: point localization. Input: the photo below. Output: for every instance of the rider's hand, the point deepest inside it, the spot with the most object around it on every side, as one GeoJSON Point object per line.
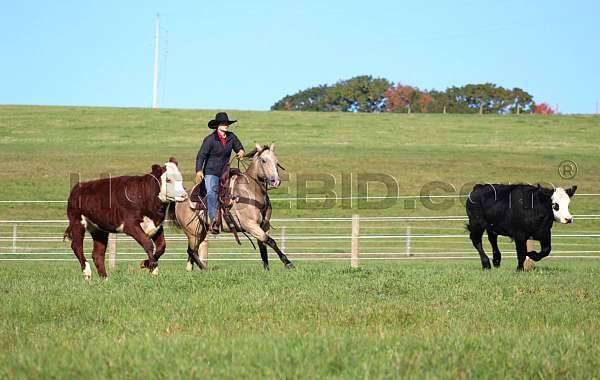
{"type": "Point", "coordinates": [199, 176]}
{"type": "Point", "coordinates": [241, 154]}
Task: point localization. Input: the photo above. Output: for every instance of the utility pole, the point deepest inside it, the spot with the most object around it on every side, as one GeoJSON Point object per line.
{"type": "Point", "coordinates": [155, 82]}
{"type": "Point", "coordinates": [597, 107]}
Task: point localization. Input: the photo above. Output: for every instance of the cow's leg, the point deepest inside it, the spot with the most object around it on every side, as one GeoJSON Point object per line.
{"type": "Point", "coordinates": [77, 235]}
{"type": "Point", "coordinates": [100, 243]}
{"type": "Point", "coordinates": [263, 254]}
{"type": "Point", "coordinates": [476, 235]}
{"type": "Point", "coordinates": [546, 243]}
{"type": "Point", "coordinates": [159, 248]}
{"type": "Point", "coordinates": [497, 256]}
{"type": "Point", "coordinates": [140, 236]}
{"type": "Point", "coordinates": [521, 246]}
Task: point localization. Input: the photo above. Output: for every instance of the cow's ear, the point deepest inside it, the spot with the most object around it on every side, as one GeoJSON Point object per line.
{"type": "Point", "coordinates": [571, 191]}
{"type": "Point", "coordinates": [157, 170]}
{"type": "Point", "coordinates": [174, 160]}
{"type": "Point", "coordinates": [545, 191]}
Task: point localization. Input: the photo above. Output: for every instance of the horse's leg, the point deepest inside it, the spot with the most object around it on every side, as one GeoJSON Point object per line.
{"type": "Point", "coordinates": [263, 254]}
{"type": "Point", "coordinates": [260, 235]}
{"type": "Point", "coordinates": [192, 250]}
{"type": "Point", "coordinates": [77, 236]}
{"type": "Point", "coordinates": [100, 243]}
{"type": "Point", "coordinates": [288, 264]}
{"type": "Point", "coordinates": [204, 252]}
{"type": "Point", "coordinates": [159, 248]}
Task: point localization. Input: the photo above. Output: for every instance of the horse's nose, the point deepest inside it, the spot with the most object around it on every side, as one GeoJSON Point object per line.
{"type": "Point", "coordinates": [184, 195]}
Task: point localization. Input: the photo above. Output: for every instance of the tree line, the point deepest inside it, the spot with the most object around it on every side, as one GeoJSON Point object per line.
{"type": "Point", "coordinates": [367, 94]}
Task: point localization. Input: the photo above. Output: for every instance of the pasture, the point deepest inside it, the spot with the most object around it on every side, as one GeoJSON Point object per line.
{"type": "Point", "coordinates": [393, 316]}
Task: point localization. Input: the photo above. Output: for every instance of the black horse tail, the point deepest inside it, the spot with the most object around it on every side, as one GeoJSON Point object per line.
{"type": "Point", "coordinates": [171, 217]}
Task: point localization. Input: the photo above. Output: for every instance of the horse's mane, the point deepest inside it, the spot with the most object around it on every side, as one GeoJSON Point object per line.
{"type": "Point", "coordinates": [250, 154]}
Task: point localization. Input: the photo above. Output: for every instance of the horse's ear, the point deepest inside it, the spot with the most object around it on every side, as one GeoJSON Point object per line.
{"type": "Point", "coordinates": [157, 170]}
{"type": "Point", "coordinates": [272, 147]}
{"type": "Point", "coordinates": [174, 160]}
{"type": "Point", "coordinates": [259, 148]}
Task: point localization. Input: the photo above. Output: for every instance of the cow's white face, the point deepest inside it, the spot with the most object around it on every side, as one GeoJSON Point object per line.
{"type": "Point", "coordinates": [560, 204]}
{"type": "Point", "coordinates": [171, 184]}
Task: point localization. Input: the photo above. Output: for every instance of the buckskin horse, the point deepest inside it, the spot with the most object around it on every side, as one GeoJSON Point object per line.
{"type": "Point", "coordinates": [134, 205]}
{"type": "Point", "coordinates": [248, 200]}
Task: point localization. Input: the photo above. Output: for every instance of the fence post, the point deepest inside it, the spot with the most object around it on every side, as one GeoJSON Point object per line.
{"type": "Point", "coordinates": [355, 233]}
{"type": "Point", "coordinates": [408, 241]}
{"type": "Point", "coordinates": [112, 250]}
{"type": "Point", "coordinates": [14, 239]}
{"type": "Point", "coordinates": [283, 238]}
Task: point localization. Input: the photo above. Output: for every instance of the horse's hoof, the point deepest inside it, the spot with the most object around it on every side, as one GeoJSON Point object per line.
{"type": "Point", "coordinates": [142, 264]}
{"type": "Point", "coordinates": [528, 264]}
{"type": "Point", "coordinates": [189, 267]}
{"type": "Point", "coordinates": [290, 265]}
{"type": "Point", "coordinates": [154, 271]}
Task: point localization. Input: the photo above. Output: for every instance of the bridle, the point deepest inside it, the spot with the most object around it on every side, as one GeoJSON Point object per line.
{"type": "Point", "coordinates": [263, 182]}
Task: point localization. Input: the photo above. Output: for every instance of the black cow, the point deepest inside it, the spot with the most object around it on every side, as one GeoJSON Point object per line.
{"type": "Point", "coordinates": [521, 212]}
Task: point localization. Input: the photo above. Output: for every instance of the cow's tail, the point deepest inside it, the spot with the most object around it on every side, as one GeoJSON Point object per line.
{"type": "Point", "coordinates": [68, 235]}
{"type": "Point", "coordinates": [475, 213]}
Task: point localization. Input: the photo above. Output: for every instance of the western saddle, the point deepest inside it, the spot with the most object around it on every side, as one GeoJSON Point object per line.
{"type": "Point", "coordinates": [226, 200]}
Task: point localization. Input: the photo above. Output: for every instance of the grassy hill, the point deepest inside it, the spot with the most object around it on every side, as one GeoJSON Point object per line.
{"type": "Point", "coordinates": [41, 147]}
{"type": "Point", "coordinates": [388, 319]}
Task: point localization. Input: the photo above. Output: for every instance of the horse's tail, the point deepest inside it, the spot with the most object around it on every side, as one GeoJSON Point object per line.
{"type": "Point", "coordinates": [171, 216]}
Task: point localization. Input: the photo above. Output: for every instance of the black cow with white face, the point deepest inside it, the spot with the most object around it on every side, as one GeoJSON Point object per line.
{"type": "Point", "coordinates": [521, 212]}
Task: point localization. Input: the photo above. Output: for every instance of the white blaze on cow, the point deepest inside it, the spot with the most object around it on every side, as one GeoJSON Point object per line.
{"type": "Point", "coordinates": [149, 227]}
{"type": "Point", "coordinates": [171, 184]}
{"type": "Point", "coordinates": [560, 205]}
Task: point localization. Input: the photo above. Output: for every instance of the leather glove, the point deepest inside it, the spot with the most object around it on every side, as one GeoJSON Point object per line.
{"type": "Point", "coordinates": [199, 176]}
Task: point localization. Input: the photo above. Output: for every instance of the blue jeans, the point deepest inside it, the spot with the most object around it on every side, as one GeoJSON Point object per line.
{"type": "Point", "coordinates": [211, 183]}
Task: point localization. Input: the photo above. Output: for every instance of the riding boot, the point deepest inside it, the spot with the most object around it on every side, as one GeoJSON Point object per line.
{"type": "Point", "coordinates": [214, 226]}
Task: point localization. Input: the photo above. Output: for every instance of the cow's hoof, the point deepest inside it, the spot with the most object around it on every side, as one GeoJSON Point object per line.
{"type": "Point", "coordinates": [154, 271]}
{"type": "Point", "coordinates": [189, 266]}
{"type": "Point", "coordinates": [290, 265]}
{"type": "Point", "coordinates": [87, 272]}
{"type": "Point", "coordinates": [266, 267]}
{"type": "Point", "coordinates": [496, 264]}
{"type": "Point", "coordinates": [528, 264]}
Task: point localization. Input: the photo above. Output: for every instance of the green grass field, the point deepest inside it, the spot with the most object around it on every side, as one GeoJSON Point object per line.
{"type": "Point", "coordinates": [389, 318]}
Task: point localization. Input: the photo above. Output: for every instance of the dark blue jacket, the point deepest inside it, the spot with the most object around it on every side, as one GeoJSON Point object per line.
{"type": "Point", "coordinates": [213, 156]}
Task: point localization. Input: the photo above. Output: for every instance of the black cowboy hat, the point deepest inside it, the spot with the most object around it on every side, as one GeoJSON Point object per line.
{"type": "Point", "coordinates": [220, 118]}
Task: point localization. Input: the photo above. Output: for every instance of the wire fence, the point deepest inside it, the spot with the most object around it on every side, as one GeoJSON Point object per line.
{"type": "Point", "coordinates": [377, 238]}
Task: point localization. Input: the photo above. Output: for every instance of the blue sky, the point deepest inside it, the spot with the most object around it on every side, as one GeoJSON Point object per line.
{"type": "Point", "coordinates": [249, 54]}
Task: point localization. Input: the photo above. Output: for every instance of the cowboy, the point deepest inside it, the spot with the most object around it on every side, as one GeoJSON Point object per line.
{"type": "Point", "coordinates": [212, 159]}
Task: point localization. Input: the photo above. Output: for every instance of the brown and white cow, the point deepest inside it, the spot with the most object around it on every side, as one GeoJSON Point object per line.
{"type": "Point", "coordinates": [134, 205]}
